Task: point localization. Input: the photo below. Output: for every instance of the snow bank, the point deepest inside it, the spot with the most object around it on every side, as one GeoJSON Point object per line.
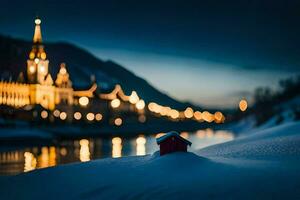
{"type": "Point", "coordinates": [263, 165]}
{"type": "Point", "coordinates": [243, 126]}
{"type": "Point", "coordinates": [281, 141]}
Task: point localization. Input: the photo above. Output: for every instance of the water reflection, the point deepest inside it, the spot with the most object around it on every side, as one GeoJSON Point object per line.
{"type": "Point", "coordinates": [209, 137]}
{"type": "Point", "coordinates": [185, 135]}
{"type": "Point", "coordinates": [68, 151]}
{"type": "Point", "coordinates": [116, 147]}
{"type": "Point", "coordinates": [47, 158]}
{"type": "Point", "coordinates": [63, 151]}
{"type": "Point", "coordinates": [84, 153]}
{"type": "Point", "coordinates": [209, 133]}
{"type": "Point", "coordinates": [30, 162]}
{"type": "Point", "coordinates": [141, 146]}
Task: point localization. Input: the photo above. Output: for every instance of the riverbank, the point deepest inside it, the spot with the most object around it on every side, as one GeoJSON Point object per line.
{"type": "Point", "coordinates": [263, 165]}
{"type": "Point", "coordinates": [75, 131]}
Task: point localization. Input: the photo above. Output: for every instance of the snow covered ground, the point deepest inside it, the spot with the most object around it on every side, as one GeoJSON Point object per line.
{"type": "Point", "coordinates": [262, 165]}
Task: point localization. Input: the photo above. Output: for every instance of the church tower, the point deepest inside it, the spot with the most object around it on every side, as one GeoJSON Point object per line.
{"type": "Point", "coordinates": [37, 64]}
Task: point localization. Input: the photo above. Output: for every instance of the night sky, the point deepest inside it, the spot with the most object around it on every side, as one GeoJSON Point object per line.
{"type": "Point", "coordinates": [208, 52]}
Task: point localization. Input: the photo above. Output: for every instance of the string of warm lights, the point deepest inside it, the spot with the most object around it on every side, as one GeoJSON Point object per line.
{"type": "Point", "coordinates": [117, 96]}
{"type": "Point", "coordinates": [42, 90]}
{"type": "Point", "coordinates": [188, 113]}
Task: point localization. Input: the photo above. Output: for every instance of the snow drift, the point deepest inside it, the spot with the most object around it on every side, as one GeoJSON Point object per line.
{"type": "Point", "coordinates": [263, 165]}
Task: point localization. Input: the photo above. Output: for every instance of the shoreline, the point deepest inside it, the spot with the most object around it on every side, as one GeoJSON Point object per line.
{"type": "Point", "coordinates": [262, 165]}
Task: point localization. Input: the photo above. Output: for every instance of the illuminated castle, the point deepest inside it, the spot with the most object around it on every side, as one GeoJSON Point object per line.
{"type": "Point", "coordinates": [59, 99]}
{"type": "Point", "coordinates": [39, 87]}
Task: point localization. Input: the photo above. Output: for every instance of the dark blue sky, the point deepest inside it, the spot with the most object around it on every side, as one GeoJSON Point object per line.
{"type": "Point", "coordinates": [208, 52]}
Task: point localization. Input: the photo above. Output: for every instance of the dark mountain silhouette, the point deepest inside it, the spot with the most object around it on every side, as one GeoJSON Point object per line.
{"type": "Point", "coordinates": [81, 65]}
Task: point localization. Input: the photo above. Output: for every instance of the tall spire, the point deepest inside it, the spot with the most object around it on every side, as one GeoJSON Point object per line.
{"type": "Point", "coordinates": [37, 64]}
{"type": "Point", "coordinates": [37, 37]}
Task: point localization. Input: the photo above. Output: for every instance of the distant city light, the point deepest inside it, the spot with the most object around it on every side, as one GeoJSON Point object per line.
{"type": "Point", "coordinates": [42, 69]}
{"type": "Point", "coordinates": [44, 114]}
{"type": "Point", "coordinates": [198, 115]}
{"type": "Point", "coordinates": [218, 116]}
{"type": "Point", "coordinates": [38, 87]}
{"type": "Point", "coordinates": [165, 110]}
{"type": "Point", "coordinates": [115, 103]}
{"type": "Point", "coordinates": [189, 113]}
{"type": "Point", "coordinates": [63, 115]}
{"type": "Point", "coordinates": [140, 104]}
{"type": "Point", "coordinates": [134, 98]}
{"type": "Point", "coordinates": [32, 69]}
{"type": "Point", "coordinates": [77, 115]}
{"type": "Point", "coordinates": [118, 121]}
{"type": "Point", "coordinates": [243, 105]}
{"type": "Point", "coordinates": [37, 21]}
{"type": "Point", "coordinates": [98, 116]}
{"type": "Point", "coordinates": [63, 70]}
{"type": "Point", "coordinates": [31, 55]}
{"type": "Point", "coordinates": [43, 55]}
{"type": "Point", "coordinates": [56, 113]}
{"type": "Point", "coordinates": [207, 116]}
{"type": "Point", "coordinates": [83, 101]}
{"type": "Point", "coordinates": [151, 106]}
{"type": "Point", "coordinates": [174, 114]}
{"type": "Point", "coordinates": [90, 116]}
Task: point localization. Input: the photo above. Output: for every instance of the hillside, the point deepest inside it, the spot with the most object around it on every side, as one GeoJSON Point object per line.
{"type": "Point", "coordinates": [81, 65]}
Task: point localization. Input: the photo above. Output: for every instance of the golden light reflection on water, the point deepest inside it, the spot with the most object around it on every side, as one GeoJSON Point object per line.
{"type": "Point", "coordinates": [84, 153]}
{"type": "Point", "coordinates": [201, 134]}
{"type": "Point", "coordinates": [220, 134]}
{"type": "Point", "coordinates": [52, 156]}
{"type": "Point", "coordinates": [141, 146]}
{"type": "Point", "coordinates": [116, 147]}
{"type": "Point", "coordinates": [13, 162]}
{"type": "Point", "coordinates": [47, 158]}
{"type": "Point", "coordinates": [43, 159]}
{"type": "Point", "coordinates": [224, 135]}
{"type": "Point", "coordinates": [30, 162]}
{"type": "Point", "coordinates": [63, 151]}
{"type": "Point", "coordinates": [185, 135]}
{"type": "Point", "coordinates": [209, 133]}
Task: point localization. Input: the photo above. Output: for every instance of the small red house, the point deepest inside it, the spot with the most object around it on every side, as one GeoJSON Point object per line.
{"type": "Point", "coordinates": [172, 142]}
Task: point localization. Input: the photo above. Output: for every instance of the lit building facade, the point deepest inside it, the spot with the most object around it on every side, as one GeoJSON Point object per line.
{"type": "Point", "coordinates": [57, 100]}
{"type": "Point", "coordinates": [38, 87]}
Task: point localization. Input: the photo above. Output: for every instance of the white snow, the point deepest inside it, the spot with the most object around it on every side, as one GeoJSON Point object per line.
{"type": "Point", "coordinates": [262, 165]}
{"type": "Point", "coordinates": [281, 142]}
{"type": "Point", "coordinates": [284, 110]}
{"type": "Point", "coordinates": [243, 126]}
